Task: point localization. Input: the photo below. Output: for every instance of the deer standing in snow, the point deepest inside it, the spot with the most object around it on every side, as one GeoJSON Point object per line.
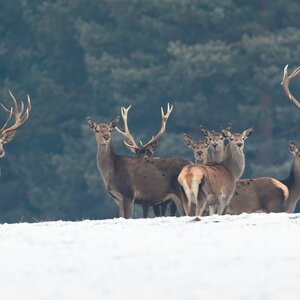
{"type": "Point", "coordinates": [7, 133]}
{"type": "Point", "coordinates": [146, 151]}
{"type": "Point", "coordinates": [213, 184]}
{"type": "Point", "coordinates": [251, 195]}
{"type": "Point", "coordinates": [130, 180]}
{"type": "Point", "coordinates": [266, 194]}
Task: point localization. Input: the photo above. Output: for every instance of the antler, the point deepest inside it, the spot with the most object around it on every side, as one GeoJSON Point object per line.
{"type": "Point", "coordinates": [126, 133]}
{"type": "Point", "coordinates": [20, 117]}
{"type": "Point", "coordinates": [285, 83]}
{"type": "Point", "coordinates": [164, 119]}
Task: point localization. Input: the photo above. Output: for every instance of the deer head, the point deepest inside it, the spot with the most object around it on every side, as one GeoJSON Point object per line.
{"type": "Point", "coordinates": [215, 139]}
{"type": "Point", "coordinates": [103, 131]}
{"type": "Point", "coordinates": [147, 150]}
{"type": "Point", "coordinates": [7, 133]}
{"type": "Point", "coordinates": [237, 140]}
{"type": "Point", "coordinates": [200, 149]}
{"type": "Point", "coordinates": [294, 150]}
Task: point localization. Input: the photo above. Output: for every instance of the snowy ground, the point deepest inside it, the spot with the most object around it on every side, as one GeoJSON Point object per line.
{"type": "Point", "coordinates": [241, 257]}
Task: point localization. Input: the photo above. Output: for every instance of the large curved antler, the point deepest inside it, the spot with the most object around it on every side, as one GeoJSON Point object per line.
{"type": "Point", "coordinates": [20, 116]}
{"type": "Point", "coordinates": [164, 119]}
{"type": "Point", "coordinates": [285, 84]}
{"type": "Point", "coordinates": [131, 144]}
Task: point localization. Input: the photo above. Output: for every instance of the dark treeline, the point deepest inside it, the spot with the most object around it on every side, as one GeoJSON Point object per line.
{"type": "Point", "coordinates": [216, 61]}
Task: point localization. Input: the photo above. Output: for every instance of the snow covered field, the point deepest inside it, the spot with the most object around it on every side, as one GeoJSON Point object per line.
{"type": "Point", "coordinates": [220, 257]}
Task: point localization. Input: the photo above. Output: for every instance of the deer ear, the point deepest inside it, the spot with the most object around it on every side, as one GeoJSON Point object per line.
{"type": "Point", "coordinates": [246, 133]}
{"type": "Point", "coordinates": [293, 147]}
{"type": "Point", "coordinates": [204, 131]}
{"type": "Point", "coordinates": [91, 123]}
{"type": "Point", "coordinates": [226, 133]}
{"type": "Point", "coordinates": [8, 137]}
{"type": "Point", "coordinates": [188, 141]}
{"type": "Point", "coordinates": [228, 127]}
{"type": "Point", "coordinates": [114, 122]}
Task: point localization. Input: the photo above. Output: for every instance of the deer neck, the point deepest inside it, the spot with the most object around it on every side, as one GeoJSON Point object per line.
{"type": "Point", "coordinates": [293, 184]}
{"type": "Point", "coordinates": [105, 161]}
{"type": "Point", "coordinates": [234, 161]}
{"type": "Point", "coordinates": [217, 155]}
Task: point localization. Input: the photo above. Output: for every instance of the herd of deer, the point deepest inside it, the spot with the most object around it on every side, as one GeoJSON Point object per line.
{"type": "Point", "coordinates": [210, 185]}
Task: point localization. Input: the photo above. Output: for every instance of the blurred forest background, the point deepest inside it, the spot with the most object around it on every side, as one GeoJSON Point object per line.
{"type": "Point", "coordinates": [215, 60]}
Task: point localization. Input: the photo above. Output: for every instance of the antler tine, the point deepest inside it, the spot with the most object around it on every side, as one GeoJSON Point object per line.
{"type": "Point", "coordinates": [126, 133]}
{"type": "Point", "coordinates": [164, 120]}
{"type": "Point", "coordinates": [20, 117]}
{"type": "Point", "coordinates": [4, 107]}
{"type": "Point", "coordinates": [8, 119]}
{"type": "Point", "coordinates": [285, 84]}
{"type": "Point", "coordinates": [295, 73]}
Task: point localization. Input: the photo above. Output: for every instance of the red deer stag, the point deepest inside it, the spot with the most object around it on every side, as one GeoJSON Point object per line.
{"type": "Point", "coordinates": [213, 185]}
{"type": "Point", "coordinates": [146, 152]}
{"type": "Point", "coordinates": [130, 180]}
{"type": "Point", "coordinates": [7, 133]}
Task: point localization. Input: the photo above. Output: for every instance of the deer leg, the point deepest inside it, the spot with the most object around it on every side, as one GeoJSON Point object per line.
{"type": "Point", "coordinates": [211, 209]}
{"type": "Point", "coordinates": [128, 208]}
{"type": "Point", "coordinates": [179, 206]}
{"type": "Point", "coordinates": [173, 209]}
{"type": "Point", "coordinates": [145, 210]}
{"type": "Point", "coordinates": [193, 210]}
{"type": "Point", "coordinates": [200, 204]}
{"type": "Point", "coordinates": [120, 208]}
{"type": "Point", "coordinates": [163, 208]}
{"type": "Point", "coordinates": [221, 207]}
{"type": "Point", "coordinates": [157, 210]}
{"type": "Point", "coordinates": [186, 204]}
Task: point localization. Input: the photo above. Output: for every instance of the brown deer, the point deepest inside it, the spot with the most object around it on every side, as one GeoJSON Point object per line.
{"type": "Point", "coordinates": [213, 184]}
{"type": "Point", "coordinates": [129, 180]}
{"type": "Point", "coordinates": [200, 149]}
{"type": "Point", "coordinates": [8, 133]}
{"type": "Point", "coordinates": [251, 195]}
{"type": "Point", "coordinates": [267, 194]}
{"type": "Point", "coordinates": [216, 143]}
{"type": "Point", "coordinates": [146, 151]}
{"type": "Point", "coordinates": [293, 180]}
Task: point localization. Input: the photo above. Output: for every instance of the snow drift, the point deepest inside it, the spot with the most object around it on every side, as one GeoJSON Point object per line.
{"type": "Point", "coordinates": [220, 257]}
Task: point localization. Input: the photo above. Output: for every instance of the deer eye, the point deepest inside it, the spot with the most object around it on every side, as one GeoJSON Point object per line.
{"type": "Point", "coordinates": [221, 138]}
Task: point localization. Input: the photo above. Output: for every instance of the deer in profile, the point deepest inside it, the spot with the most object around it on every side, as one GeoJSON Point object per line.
{"type": "Point", "coordinates": [130, 180]}
{"type": "Point", "coordinates": [7, 133]}
{"type": "Point", "coordinates": [213, 184]}
{"type": "Point", "coordinates": [146, 151]}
